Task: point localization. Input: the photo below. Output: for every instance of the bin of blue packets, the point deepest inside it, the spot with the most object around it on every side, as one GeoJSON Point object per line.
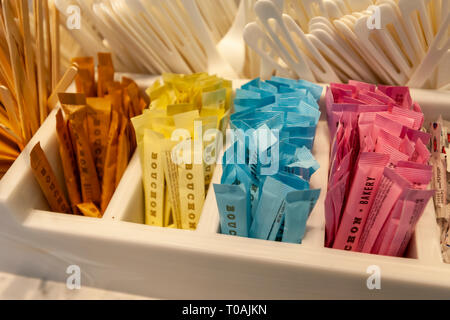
{"type": "Point", "coordinates": [265, 191]}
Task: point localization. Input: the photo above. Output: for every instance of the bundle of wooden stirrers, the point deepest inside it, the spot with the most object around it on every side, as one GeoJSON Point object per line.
{"type": "Point", "coordinates": [29, 72]}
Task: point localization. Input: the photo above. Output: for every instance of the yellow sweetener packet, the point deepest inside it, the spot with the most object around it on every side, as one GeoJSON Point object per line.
{"type": "Point", "coordinates": [153, 171]}
{"type": "Point", "coordinates": [192, 192]}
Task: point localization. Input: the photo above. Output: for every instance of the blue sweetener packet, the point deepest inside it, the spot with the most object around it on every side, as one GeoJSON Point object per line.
{"type": "Point", "coordinates": [232, 202]}
{"type": "Point", "coordinates": [299, 205]}
{"type": "Point", "coordinates": [315, 89]}
{"type": "Point", "coordinates": [272, 204]}
{"type": "Point", "coordinates": [303, 164]}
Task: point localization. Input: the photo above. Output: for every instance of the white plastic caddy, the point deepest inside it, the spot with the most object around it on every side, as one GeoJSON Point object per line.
{"type": "Point", "coordinates": [119, 253]}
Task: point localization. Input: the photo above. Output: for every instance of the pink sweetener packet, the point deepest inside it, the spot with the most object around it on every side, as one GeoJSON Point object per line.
{"type": "Point", "coordinates": [379, 96]}
{"type": "Point", "coordinates": [368, 145]}
{"type": "Point", "coordinates": [381, 122]}
{"type": "Point", "coordinates": [415, 135]}
{"type": "Point", "coordinates": [390, 139]}
{"type": "Point", "coordinates": [367, 177]}
{"type": "Point", "coordinates": [341, 146]}
{"type": "Point", "coordinates": [372, 108]}
{"type": "Point", "coordinates": [367, 99]}
{"type": "Point", "coordinates": [329, 218]}
{"type": "Point", "coordinates": [338, 197]}
{"type": "Point", "coordinates": [414, 205]}
{"type": "Point", "coordinates": [343, 168]}
{"type": "Point", "coordinates": [389, 191]}
{"type": "Point", "coordinates": [341, 89]}
{"type": "Point", "coordinates": [394, 154]}
{"type": "Point", "coordinates": [416, 107]}
{"type": "Point", "coordinates": [388, 232]}
{"type": "Point", "coordinates": [421, 153]}
{"type": "Point", "coordinates": [333, 208]}
{"type": "Point", "coordinates": [346, 99]}
{"type": "Point", "coordinates": [410, 164]}
{"type": "Point", "coordinates": [335, 114]}
{"type": "Point", "coordinates": [420, 178]}
{"type": "Point", "coordinates": [418, 117]}
{"type": "Point", "coordinates": [366, 121]}
{"type": "Point", "coordinates": [405, 121]}
{"type": "Point", "coordinates": [407, 147]}
{"type": "Point", "coordinates": [331, 118]}
{"type": "Point", "coordinates": [362, 85]}
{"type": "Point", "coordinates": [401, 95]}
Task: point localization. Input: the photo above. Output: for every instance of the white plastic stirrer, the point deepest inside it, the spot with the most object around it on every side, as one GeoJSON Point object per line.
{"type": "Point", "coordinates": [267, 11]}
{"type": "Point", "coordinates": [154, 37]}
{"type": "Point", "coordinates": [439, 48]}
{"type": "Point", "coordinates": [392, 51]}
{"type": "Point", "coordinates": [321, 69]}
{"type": "Point", "coordinates": [232, 46]}
{"type": "Point", "coordinates": [258, 41]}
{"type": "Point", "coordinates": [216, 63]}
{"type": "Point", "coordinates": [418, 24]}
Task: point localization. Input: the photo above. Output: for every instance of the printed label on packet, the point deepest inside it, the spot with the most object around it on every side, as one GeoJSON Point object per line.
{"type": "Point", "coordinates": [192, 194]}
{"type": "Point", "coordinates": [98, 115]}
{"type": "Point", "coordinates": [153, 178]}
{"type": "Point", "coordinates": [47, 180]}
{"type": "Point", "coordinates": [362, 194]}
{"type": "Point", "coordinates": [68, 161]}
{"type": "Point", "coordinates": [439, 184]}
{"type": "Point", "coordinates": [74, 106]}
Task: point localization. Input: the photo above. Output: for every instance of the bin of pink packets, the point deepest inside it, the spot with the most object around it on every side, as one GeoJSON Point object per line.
{"type": "Point", "coordinates": [378, 184]}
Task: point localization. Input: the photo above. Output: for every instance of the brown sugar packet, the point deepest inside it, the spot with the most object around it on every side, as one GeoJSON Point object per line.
{"type": "Point", "coordinates": [46, 178]}
{"type": "Point", "coordinates": [85, 79]}
{"type": "Point", "coordinates": [74, 105]}
{"type": "Point", "coordinates": [110, 167]}
{"type": "Point", "coordinates": [123, 153]}
{"type": "Point", "coordinates": [98, 120]}
{"type": "Point", "coordinates": [68, 160]}
{"type": "Point", "coordinates": [132, 91]}
{"type": "Point", "coordinates": [89, 209]}
{"type": "Point", "coordinates": [132, 137]}
{"type": "Point", "coordinates": [115, 93]}
{"type": "Point", "coordinates": [105, 70]}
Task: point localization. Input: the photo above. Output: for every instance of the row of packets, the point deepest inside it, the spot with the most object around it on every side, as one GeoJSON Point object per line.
{"type": "Point", "coordinates": [440, 149]}
{"type": "Point", "coordinates": [379, 173]}
{"type": "Point", "coordinates": [96, 140]}
{"type": "Point", "coordinates": [265, 191]}
{"type": "Point", "coordinates": [177, 139]}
